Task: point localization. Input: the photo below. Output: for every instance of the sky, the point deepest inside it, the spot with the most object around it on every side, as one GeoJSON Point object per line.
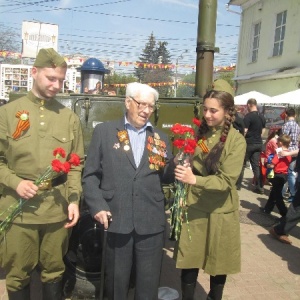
{"type": "Point", "coordinates": [113, 30]}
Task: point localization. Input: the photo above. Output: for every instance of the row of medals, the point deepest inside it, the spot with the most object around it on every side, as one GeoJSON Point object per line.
{"type": "Point", "coordinates": [124, 139]}
{"type": "Point", "coordinates": [158, 146]}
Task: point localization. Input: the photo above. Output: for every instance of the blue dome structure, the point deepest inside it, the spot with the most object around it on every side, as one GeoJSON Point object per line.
{"type": "Point", "coordinates": [94, 64]}
{"type": "Point", "coordinates": [92, 76]}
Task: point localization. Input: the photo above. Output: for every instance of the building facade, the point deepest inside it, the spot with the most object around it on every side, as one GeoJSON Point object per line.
{"type": "Point", "coordinates": [18, 79]}
{"type": "Point", "coordinates": [269, 46]}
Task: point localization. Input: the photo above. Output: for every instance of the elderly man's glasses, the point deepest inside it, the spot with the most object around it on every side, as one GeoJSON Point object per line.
{"type": "Point", "coordinates": [143, 105]}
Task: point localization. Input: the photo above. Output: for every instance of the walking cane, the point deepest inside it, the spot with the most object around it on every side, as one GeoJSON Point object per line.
{"type": "Point", "coordinates": [109, 217]}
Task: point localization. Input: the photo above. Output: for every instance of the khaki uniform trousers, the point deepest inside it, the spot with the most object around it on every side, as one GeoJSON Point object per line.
{"type": "Point", "coordinates": [26, 246]}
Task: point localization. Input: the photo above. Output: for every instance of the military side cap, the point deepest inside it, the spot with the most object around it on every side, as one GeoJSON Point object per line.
{"type": "Point", "coordinates": [49, 58]}
{"type": "Point", "coordinates": [223, 85]}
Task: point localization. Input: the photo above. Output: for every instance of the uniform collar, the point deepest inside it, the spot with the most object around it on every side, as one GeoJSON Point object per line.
{"type": "Point", "coordinates": [38, 100]}
{"type": "Point", "coordinates": [215, 128]}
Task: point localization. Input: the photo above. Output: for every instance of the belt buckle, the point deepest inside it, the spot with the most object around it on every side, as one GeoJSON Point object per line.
{"type": "Point", "coordinates": [45, 185]}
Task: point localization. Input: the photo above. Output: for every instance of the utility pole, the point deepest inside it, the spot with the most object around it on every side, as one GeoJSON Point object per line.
{"type": "Point", "coordinates": [176, 71]}
{"type": "Point", "coordinates": [207, 18]}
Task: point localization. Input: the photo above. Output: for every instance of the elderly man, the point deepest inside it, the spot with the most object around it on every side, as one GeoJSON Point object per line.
{"type": "Point", "coordinates": [126, 163]}
{"type": "Point", "coordinates": [31, 128]}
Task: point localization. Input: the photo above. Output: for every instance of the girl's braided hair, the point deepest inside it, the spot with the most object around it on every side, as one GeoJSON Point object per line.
{"type": "Point", "coordinates": [225, 100]}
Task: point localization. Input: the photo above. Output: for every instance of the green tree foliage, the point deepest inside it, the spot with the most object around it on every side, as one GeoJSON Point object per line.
{"type": "Point", "coordinates": [155, 53]}
{"type": "Point", "coordinates": [148, 56]}
{"type": "Point", "coordinates": [119, 79]}
{"type": "Point", "coordinates": [187, 90]}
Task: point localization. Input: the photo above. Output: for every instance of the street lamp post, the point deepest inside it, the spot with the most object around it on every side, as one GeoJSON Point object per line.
{"type": "Point", "coordinates": [176, 71]}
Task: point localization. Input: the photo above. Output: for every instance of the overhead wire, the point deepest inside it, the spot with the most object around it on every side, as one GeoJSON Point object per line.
{"type": "Point", "coordinates": [109, 14]}
{"type": "Point", "coordinates": [118, 39]}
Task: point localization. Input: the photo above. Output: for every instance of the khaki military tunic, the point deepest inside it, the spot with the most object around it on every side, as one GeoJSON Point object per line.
{"type": "Point", "coordinates": [52, 125]}
{"type": "Point", "coordinates": [213, 211]}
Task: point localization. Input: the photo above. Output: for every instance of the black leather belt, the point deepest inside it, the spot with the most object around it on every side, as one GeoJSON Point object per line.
{"type": "Point", "coordinates": [51, 183]}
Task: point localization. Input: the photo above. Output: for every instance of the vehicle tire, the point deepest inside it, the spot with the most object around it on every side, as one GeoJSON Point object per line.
{"type": "Point", "coordinates": [83, 260]}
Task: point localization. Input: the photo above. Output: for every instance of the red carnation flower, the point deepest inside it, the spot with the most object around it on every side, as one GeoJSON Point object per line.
{"type": "Point", "coordinates": [189, 149]}
{"type": "Point", "coordinates": [197, 122]}
{"type": "Point", "coordinates": [74, 160]}
{"type": "Point", "coordinates": [56, 165]}
{"type": "Point", "coordinates": [190, 146]}
{"type": "Point", "coordinates": [177, 128]}
{"type": "Point", "coordinates": [65, 167]}
{"type": "Point", "coordinates": [59, 152]}
{"type": "Point", "coordinates": [179, 143]}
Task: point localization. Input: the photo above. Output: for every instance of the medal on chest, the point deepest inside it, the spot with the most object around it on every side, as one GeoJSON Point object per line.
{"type": "Point", "coordinates": [124, 139]}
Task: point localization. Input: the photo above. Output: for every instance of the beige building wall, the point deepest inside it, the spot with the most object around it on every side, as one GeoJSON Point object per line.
{"type": "Point", "coordinates": [271, 75]}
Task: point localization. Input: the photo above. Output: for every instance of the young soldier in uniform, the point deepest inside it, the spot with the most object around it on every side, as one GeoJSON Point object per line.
{"type": "Point", "coordinates": [39, 235]}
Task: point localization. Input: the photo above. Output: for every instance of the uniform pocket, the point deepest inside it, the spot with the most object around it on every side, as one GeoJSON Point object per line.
{"type": "Point", "coordinates": [63, 139]}
{"type": "Point", "coordinates": [20, 146]}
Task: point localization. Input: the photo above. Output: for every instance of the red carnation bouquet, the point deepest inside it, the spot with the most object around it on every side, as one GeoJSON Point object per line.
{"type": "Point", "coordinates": [55, 169]}
{"type": "Point", "coordinates": [186, 144]}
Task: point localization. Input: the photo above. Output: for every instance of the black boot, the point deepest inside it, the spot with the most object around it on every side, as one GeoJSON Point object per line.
{"type": "Point", "coordinates": [216, 291]}
{"type": "Point", "coordinates": [52, 290]}
{"type": "Point", "coordinates": [188, 290]}
{"type": "Point", "coordinates": [23, 294]}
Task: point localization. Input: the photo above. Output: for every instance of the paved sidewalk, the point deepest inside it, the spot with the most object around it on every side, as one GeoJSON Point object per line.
{"type": "Point", "coordinates": [270, 269]}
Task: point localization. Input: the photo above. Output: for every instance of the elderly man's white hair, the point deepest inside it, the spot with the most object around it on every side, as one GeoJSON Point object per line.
{"type": "Point", "coordinates": [142, 90]}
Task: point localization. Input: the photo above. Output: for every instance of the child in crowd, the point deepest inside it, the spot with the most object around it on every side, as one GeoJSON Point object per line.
{"type": "Point", "coordinates": [280, 166]}
{"type": "Point", "coordinates": [267, 155]}
{"type": "Point", "coordinates": [271, 142]}
{"type": "Point", "coordinates": [271, 146]}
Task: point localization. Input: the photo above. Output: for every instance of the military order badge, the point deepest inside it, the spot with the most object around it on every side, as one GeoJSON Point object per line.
{"type": "Point", "coordinates": [124, 139]}
{"type": "Point", "coordinates": [157, 152]}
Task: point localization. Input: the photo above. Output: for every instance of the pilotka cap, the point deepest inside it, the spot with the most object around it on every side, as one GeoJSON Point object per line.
{"type": "Point", "coordinates": [49, 58]}
{"type": "Point", "coordinates": [223, 85]}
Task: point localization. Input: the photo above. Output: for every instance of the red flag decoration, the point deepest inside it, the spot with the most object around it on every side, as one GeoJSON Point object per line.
{"type": "Point", "coordinates": [283, 115]}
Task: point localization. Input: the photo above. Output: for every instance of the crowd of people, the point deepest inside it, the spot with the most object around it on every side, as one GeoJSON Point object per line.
{"type": "Point", "coordinates": [127, 162]}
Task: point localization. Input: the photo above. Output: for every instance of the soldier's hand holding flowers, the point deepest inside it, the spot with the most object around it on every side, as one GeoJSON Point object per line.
{"type": "Point", "coordinates": [27, 189]}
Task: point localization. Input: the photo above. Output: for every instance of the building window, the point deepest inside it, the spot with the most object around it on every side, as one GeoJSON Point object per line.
{"type": "Point", "coordinates": [255, 44]}
{"type": "Point", "coordinates": [279, 33]}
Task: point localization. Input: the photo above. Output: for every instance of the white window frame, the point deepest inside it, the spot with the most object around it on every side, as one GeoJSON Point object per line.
{"type": "Point", "coordinates": [255, 42]}
{"type": "Point", "coordinates": [279, 34]}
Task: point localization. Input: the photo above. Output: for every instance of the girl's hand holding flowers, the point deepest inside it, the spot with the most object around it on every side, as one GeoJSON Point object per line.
{"type": "Point", "coordinates": [184, 174]}
{"type": "Point", "coordinates": [186, 144]}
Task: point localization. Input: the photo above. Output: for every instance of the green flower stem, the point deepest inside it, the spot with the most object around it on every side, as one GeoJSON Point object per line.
{"type": "Point", "coordinates": [13, 211]}
{"type": "Point", "coordinates": [179, 209]}
{"type": "Point", "coordinates": [16, 209]}
{"type": "Point", "coordinates": [45, 176]}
